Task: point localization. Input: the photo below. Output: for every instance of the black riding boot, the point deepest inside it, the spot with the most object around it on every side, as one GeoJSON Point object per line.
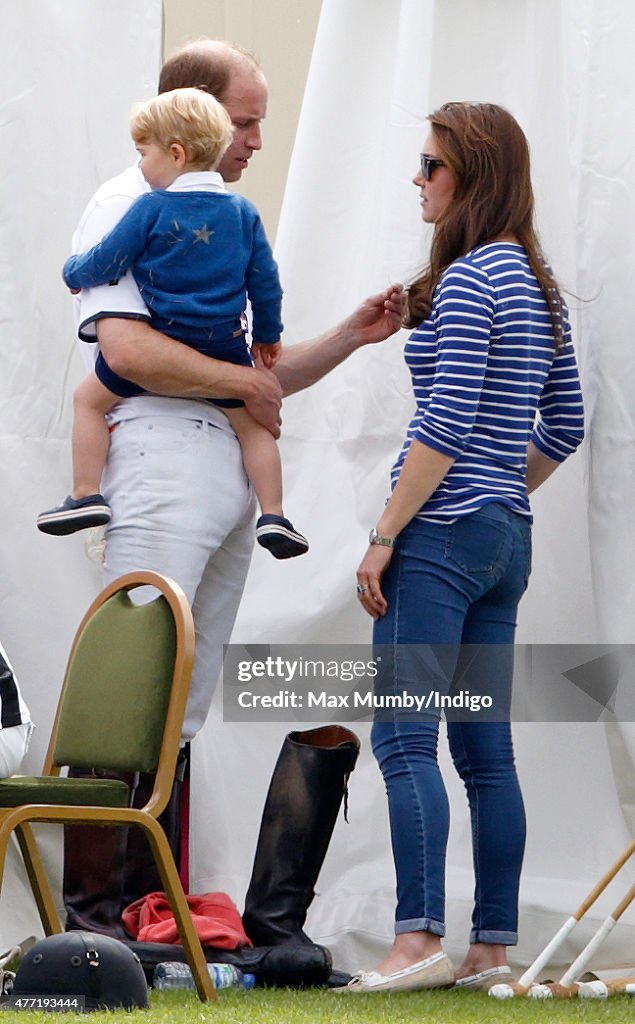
{"type": "Point", "coordinates": [94, 858]}
{"type": "Point", "coordinates": [306, 790]}
{"type": "Point", "coordinates": [107, 867]}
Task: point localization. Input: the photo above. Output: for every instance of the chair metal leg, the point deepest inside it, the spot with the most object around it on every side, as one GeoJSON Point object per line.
{"type": "Point", "coordinates": [34, 869]}
{"type": "Point", "coordinates": [38, 879]}
{"type": "Point", "coordinates": [140, 873]}
{"type": "Point", "coordinates": [174, 890]}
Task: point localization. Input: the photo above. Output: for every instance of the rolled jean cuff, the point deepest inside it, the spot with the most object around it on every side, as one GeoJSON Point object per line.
{"type": "Point", "coordinates": [493, 938]}
{"type": "Point", "coordinates": [420, 924]}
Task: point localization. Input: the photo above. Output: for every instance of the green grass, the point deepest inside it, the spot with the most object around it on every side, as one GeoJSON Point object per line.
{"type": "Point", "coordinates": [281, 1006]}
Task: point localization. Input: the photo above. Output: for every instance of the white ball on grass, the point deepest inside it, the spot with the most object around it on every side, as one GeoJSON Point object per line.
{"type": "Point", "coordinates": [501, 991]}
{"type": "Point", "coordinates": [592, 990]}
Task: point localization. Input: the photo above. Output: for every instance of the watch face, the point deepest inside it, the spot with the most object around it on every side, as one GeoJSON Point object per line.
{"type": "Point", "coordinates": [375, 538]}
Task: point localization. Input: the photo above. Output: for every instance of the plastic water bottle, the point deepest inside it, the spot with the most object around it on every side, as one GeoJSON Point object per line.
{"type": "Point", "coordinates": [173, 974]}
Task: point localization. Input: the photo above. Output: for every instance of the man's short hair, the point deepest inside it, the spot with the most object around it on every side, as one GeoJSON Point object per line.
{"type": "Point", "coordinates": [206, 64]}
{"type": "Point", "coordinates": [189, 117]}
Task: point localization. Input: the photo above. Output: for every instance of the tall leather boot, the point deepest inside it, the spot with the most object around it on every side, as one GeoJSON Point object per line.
{"type": "Point", "coordinates": [309, 781]}
{"type": "Point", "coordinates": [107, 867]}
{"type": "Point", "coordinates": [94, 858]}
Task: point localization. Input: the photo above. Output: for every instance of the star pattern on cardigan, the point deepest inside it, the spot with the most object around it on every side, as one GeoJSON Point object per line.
{"type": "Point", "coordinates": [202, 234]}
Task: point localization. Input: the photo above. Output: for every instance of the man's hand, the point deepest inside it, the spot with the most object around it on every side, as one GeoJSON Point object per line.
{"type": "Point", "coordinates": [164, 366]}
{"type": "Point", "coordinates": [374, 320]}
{"type": "Point", "coordinates": [379, 316]}
{"type": "Point", "coordinates": [264, 400]}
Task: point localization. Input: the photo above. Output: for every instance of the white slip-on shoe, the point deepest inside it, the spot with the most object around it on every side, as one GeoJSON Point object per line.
{"type": "Point", "coordinates": [484, 980]}
{"type": "Point", "coordinates": [433, 972]}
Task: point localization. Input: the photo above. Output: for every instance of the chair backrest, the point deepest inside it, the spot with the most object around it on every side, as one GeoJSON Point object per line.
{"type": "Point", "coordinates": [127, 680]}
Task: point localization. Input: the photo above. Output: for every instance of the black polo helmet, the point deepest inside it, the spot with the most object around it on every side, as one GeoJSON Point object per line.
{"type": "Point", "coordinates": [102, 970]}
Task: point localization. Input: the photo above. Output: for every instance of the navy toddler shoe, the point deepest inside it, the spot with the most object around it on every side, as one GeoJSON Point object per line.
{"type": "Point", "coordinates": [279, 537]}
{"type": "Point", "coordinates": [75, 514]}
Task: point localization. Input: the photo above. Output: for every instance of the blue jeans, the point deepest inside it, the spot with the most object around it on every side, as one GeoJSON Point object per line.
{"type": "Point", "coordinates": [453, 585]}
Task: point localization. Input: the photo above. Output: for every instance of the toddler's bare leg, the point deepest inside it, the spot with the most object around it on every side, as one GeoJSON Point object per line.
{"type": "Point", "coordinates": [90, 438]}
{"type": "Point", "coordinates": [262, 465]}
{"type": "Point", "coordinates": [261, 459]}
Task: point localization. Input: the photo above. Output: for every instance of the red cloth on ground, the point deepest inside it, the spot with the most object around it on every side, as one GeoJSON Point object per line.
{"type": "Point", "coordinates": [215, 916]}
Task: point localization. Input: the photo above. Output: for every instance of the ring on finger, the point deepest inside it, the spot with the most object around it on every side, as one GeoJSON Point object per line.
{"type": "Point", "coordinates": [361, 589]}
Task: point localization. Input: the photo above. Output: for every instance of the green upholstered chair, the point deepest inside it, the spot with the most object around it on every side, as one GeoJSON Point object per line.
{"type": "Point", "coordinates": [121, 708]}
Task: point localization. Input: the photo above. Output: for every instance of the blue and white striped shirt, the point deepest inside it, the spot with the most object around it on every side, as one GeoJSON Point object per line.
{"type": "Point", "coordinates": [487, 379]}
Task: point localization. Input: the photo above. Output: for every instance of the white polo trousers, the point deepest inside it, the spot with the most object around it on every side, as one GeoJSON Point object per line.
{"type": "Point", "coordinates": [183, 506]}
{"type": "Point", "coordinates": [14, 743]}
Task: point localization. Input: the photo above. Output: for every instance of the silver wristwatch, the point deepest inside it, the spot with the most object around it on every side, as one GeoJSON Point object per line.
{"type": "Point", "coordinates": [376, 538]}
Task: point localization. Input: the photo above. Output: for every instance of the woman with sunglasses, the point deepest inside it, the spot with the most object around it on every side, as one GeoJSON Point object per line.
{"type": "Point", "coordinates": [498, 407]}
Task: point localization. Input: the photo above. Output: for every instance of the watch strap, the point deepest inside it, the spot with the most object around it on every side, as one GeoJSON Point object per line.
{"type": "Point", "coordinates": [376, 538]}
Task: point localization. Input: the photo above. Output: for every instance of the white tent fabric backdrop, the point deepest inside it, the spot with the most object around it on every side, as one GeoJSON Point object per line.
{"type": "Point", "coordinates": [350, 224]}
{"type": "Point", "coordinates": [71, 71]}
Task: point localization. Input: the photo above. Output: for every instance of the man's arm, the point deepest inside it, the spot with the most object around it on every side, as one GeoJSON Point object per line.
{"type": "Point", "coordinates": [373, 321]}
{"type": "Point", "coordinates": [135, 351]}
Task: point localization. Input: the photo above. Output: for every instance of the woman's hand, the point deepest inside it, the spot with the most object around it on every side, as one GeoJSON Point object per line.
{"type": "Point", "coordinates": [422, 471]}
{"type": "Point", "coordinates": [369, 575]}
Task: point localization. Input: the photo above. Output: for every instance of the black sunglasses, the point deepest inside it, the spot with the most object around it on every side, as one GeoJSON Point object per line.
{"type": "Point", "coordinates": [428, 164]}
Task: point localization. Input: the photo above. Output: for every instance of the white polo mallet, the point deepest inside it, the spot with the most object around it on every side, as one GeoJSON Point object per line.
{"type": "Point", "coordinates": [567, 987]}
{"type": "Point", "coordinates": [526, 980]}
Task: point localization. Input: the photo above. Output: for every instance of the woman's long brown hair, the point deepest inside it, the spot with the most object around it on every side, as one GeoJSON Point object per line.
{"type": "Point", "coordinates": [485, 148]}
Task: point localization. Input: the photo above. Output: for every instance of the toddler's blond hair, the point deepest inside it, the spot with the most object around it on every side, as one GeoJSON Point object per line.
{"type": "Point", "coordinates": [190, 117]}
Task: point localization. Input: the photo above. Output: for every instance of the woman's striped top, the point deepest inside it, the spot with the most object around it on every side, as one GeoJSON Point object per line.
{"type": "Point", "coordinates": [487, 379]}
